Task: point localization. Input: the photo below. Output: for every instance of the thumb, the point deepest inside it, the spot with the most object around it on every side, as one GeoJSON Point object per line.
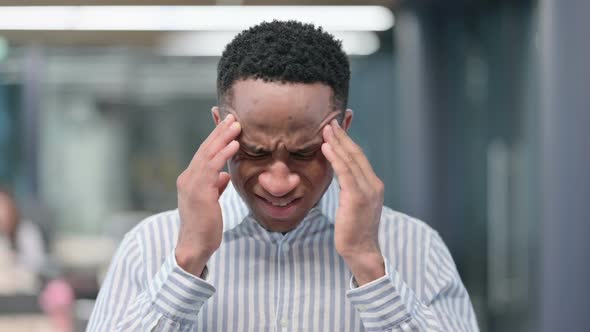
{"type": "Point", "coordinates": [222, 181]}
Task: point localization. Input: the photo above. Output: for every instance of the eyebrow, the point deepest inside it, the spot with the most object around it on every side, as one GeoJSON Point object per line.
{"type": "Point", "coordinates": [258, 149]}
{"type": "Point", "coordinates": [306, 148]}
{"type": "Point", "coordinates": [252, 147]}
{"type": "Point", "coordinates": [309, 147]}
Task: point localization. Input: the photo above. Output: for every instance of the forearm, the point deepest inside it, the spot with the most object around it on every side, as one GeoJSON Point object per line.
{"type": "Point", "coordinates": [192, 261]}
{"type": "Point", "coordinates": [366, 267]}
{"type": "Point", "coordinates": [170, 300]}
{"type": "Point", "coordinates": [389, 304]}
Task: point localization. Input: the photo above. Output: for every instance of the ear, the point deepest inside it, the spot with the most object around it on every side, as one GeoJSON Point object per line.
{"type": "Point", "coordinates": [347, 119]}
{"type": "Point", "coordinates": [216, 114]}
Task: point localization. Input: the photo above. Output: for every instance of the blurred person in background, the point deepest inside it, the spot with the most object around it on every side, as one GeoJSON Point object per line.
{"type": "Point", "coordinates": [295, 235]}
{"type": "Point", "coordinates": [21, 249]}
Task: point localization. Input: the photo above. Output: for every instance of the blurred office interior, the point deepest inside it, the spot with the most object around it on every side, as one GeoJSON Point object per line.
{"type": "Point", "coordinates": [475, 114]}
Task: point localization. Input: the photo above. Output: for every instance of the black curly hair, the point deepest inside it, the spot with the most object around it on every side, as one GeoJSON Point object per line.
{"type": "Point", "coordinates": [287, 52]}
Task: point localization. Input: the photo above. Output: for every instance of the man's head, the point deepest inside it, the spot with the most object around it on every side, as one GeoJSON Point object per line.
{"type": "Point", "coordinates": [285, 52]}
{"type": "Point", "coordinates": [283, 81]}
{"type": "Point", "coordinates": [9, 217]}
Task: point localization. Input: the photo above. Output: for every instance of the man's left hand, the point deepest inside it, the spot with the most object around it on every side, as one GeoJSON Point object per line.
{"type": "Point", "coordinates": [361, 200]}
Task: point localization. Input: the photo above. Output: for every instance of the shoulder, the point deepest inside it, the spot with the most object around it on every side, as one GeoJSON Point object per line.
{"type": "Point", "coordinates": [152, 240]}
{"type": "Point", "coordinates": [406, 242]}
{"type": "Point", "coordinates": [28, 231]}
{"type": "Point", "coordinates": [167, 220]}
{"type": "Point", "coordinates": [394, 222]}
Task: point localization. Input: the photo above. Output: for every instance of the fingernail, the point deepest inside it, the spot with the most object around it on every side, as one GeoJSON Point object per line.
{"type": "Point", "coordinates": [335, 123]}
{"type": "Point", "coordinates": [235, 125]}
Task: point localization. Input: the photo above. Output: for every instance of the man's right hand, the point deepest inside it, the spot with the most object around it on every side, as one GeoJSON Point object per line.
{"type": "Point", "coordinates": [199, 188]}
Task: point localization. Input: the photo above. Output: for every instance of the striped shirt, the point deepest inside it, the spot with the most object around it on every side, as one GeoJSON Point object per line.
{"type": "Point", "coordinates": [266, 281]}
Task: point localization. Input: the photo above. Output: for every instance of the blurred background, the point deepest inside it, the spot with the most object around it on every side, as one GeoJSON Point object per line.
{"type": "Point", "coordinates": [474, 113]}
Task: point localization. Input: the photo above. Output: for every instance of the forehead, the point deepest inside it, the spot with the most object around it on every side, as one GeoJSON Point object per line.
{"type": "Point", "coordinates": [274, 111]}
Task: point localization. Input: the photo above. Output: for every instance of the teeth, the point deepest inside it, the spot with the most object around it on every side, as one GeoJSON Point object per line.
{"type": "Point", "coordinates": [280, 204]}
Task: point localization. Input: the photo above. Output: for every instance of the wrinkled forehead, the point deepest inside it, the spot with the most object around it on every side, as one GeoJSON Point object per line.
{"type": "Point", "coordinates": [294, 112]}
{"type": "Point", "coordinates": [293, 130]}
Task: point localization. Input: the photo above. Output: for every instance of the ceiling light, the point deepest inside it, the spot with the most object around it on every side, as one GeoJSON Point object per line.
{"type": "Point", "coordinates": [190, 18]}
{"type": "Point", "coordinates": [210, 43]}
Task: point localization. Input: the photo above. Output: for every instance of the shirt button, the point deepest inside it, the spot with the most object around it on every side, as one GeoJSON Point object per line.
{"type": "Point", "coordinates": [284, 322]}
{"type": "Point", "coordinates": [286, 247]}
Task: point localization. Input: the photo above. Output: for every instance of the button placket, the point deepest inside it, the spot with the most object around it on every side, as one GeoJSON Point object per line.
{"type": "Point", "coordinates": [285, 247]}
{"type": "Point", "coordinates": [282, 249]}
{"type": "Point", "coordinates": [284, 323]}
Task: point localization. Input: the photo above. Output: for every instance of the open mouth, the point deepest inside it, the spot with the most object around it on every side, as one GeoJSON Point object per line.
{"type": "Point", "coordinates": [278, 208]}
{"type": "Point", "coordinates": [279, 203]}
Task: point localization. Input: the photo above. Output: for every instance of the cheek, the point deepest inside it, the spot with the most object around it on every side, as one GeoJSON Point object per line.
{"type": "Point", "coordinates": [316, 171]}
{"type": "Point", "coordinates": [242, 170]}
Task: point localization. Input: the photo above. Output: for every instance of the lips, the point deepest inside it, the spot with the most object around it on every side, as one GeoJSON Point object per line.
{"type": "Point", "coordinates": [279, 203]}
{"type": "Point", "coordinates": [278, 208]}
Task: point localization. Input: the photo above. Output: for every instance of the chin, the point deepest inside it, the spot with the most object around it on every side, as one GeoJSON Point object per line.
{"type": "Point", "coordinates": [280, 225]}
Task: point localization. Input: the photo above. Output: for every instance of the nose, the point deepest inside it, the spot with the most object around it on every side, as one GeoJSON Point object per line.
{"type": "Point", "coordinates": [278, 180]}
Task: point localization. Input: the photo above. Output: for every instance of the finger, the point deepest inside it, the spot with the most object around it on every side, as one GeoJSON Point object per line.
{"type": "Point", "coordinates": [223, 181]}
{"type": "Point", "coordinates": [216, 164]}
{"type": "Point", "coordinates": [353, 150]}
{"type": "Point", "coordinates": [346, 158]}
{"type": "Point", "coordinates": [343, 172]}
{"type": "Point", "coordinates": [224, 133]}
{"type": "Point", "coordinates": [350, 146]}
{"type": "Point", "coordinates": [223, 125]}
{"type": "Point", "coordinates": [222, 140]}
{"type": "Point", "coordinates": [209, 173]}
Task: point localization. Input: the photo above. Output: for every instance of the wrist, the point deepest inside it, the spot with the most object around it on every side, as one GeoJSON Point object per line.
{"type": "Point", "coordinates": [366, 267]}
{"type": "Point", "coordinates": [192, 261]}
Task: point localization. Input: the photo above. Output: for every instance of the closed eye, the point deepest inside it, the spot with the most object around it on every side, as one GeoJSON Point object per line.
{"type": "Point", "coordinates": [305, 155]}
{"type": "Point", "coordinates": [255, 155]}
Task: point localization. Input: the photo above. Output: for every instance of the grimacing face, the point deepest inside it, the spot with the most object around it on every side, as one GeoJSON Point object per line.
{"type": "Point", "coordinates": [280, 171]}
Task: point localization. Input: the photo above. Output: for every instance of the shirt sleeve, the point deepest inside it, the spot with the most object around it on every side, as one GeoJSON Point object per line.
{"type": "Point", "coordinates": [129, 300]}
{"type": "Point", "coordinates": [30, 244]}
{"type": "Point", "coordinates": [388, 304]}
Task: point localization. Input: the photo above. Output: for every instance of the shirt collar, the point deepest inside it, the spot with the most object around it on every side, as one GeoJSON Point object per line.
{"type": "Point", "coordinates": [235, 211]}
